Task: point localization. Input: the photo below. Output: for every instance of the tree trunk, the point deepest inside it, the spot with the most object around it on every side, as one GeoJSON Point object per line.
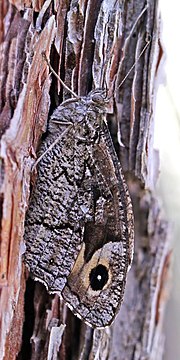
{"type": "Point", "coordinates": [91, 44]}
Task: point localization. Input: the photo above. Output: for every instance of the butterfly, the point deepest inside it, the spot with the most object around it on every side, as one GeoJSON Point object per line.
{"type": "Point", "coordinates": [79, 227]}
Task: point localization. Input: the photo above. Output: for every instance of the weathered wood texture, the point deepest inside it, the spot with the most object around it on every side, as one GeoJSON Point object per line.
{"type": "Point", "coordinates": [91, 43]}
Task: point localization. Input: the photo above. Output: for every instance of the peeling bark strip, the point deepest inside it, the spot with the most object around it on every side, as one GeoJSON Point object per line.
{"type": "Point", "coordinates": [89, 49]}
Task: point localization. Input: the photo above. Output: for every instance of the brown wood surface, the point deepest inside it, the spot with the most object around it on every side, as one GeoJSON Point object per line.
{"type": "Point", "coordinates": [91, 43]}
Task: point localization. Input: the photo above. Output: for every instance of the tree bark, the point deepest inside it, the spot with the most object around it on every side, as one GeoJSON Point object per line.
{"type": "Point", "coordinates": [91, 44]}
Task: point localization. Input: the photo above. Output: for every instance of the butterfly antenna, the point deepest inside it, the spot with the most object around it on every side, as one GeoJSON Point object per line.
{"type": "Point", "coordinates": [57, 76]}
{"type": "Point", "coordinates": [132, 67]}
{"type": "Point", "coordinates": [148, 40]}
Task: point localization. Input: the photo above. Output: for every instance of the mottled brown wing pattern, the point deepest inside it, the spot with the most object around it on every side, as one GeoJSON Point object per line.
{"type": "Point", "coordinates": [79, 225]}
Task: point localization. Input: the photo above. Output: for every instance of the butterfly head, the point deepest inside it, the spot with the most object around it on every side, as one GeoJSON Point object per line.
{"type": "Point", "coordinates": [98, 97]}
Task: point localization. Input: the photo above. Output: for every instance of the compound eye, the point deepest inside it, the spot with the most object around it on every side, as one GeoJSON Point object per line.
{"type": "Point", "coordinates": [97, 98]}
